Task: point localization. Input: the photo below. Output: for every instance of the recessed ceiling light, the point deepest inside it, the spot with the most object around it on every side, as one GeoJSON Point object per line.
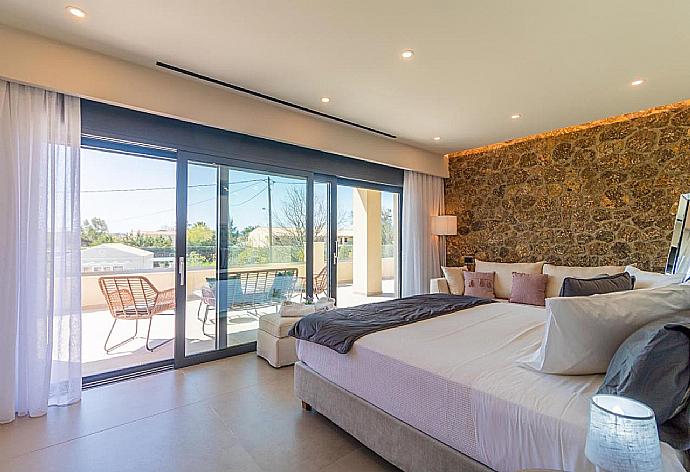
{"type": "Point", "coordinates": [407, 54]}
{"type": "Point", "coordinates": [437, 138]}
{"type": "Point", "coordinates": [75, 11]}
{"type": "Point", "coordinates": [325, 99]}
{"type": "Point", "coordinates": [637, 82]}
{"type": "Point", "coordinates": [516, 116]}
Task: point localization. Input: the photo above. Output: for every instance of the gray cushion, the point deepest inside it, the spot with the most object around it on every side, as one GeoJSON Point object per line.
{"type": "Point", "coordinates": [652, 366]}
{"type": "Point", "coordinates": [573, 287]}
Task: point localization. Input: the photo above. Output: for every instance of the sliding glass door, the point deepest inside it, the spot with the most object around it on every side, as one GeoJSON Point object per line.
{"type": "Point", "coordinates": [357, 241]}
{"type": "Point", "coordinates": [243, 250]}
{"type": "Point", "coordinates": [367, 238]}
{"type": "Point", "coordinates": [195, 249]}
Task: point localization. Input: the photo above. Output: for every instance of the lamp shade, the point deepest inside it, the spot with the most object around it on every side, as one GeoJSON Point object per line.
{"type": "Point", "coordinates": [444, 225]}
{"type": "Point", "coordinates": [622, 435]}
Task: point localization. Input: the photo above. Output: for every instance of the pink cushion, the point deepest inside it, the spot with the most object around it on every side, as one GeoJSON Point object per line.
{"type": "Point", "coordinates": [479, 284]}
{"type": "Point", "coordinates": [529, 289]}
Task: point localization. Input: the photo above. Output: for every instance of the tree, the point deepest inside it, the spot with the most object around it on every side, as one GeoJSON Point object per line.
{"type": "Point", "coordinates": [199, 234]}
{"type": "Point", "coordinates": [387, 232]}
{"type": "Point", "coordinates": [292, 218]}
{"type": "Point", "coordinates": [146, 240]}
{"type": "Point", "coordinates": [95, 232]}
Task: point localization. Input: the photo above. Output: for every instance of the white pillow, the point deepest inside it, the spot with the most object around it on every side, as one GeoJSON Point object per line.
{"type": "Point", "coordinates": [455, 278]}
{"type": "Point", "coordinates": [503, 278]}
{"type": "Point", "coordinates": [558, 273]}
{"type": "Point", "coordinates": [583, 333]}
{"type": "Point", "coordinates": [644, 279]}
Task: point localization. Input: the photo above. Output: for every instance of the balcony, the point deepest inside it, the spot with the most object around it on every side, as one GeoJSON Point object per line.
{"type": "Point", "coordinates": [242, 325]}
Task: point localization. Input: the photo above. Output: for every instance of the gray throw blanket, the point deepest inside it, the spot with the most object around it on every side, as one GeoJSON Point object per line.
{"type": "Point", "coordinates": [338, 329]}
{"type": "Point", "coordinates": [653, 367]}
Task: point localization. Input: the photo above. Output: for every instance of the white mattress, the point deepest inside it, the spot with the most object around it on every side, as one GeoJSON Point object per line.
{"type": "Point", "coordinates": [454, 378]}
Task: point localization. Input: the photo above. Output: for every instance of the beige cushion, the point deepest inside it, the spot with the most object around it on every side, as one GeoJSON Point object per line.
{"type": "Point", "coordinates": [504, 273]}
{"type": "Point", "coordinates": [644, 279]}
{"type": "Point", "coordinates": [439, 286]}
{"type": "Point", "coordinates": [558, 273]}
{"type": "Point", "coordinates": [275, 325]}
{"type": "Point", "coordinates": [455, 279]}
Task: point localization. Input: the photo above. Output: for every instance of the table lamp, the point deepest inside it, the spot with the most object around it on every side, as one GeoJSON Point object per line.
{"type": "Point", "coordinates": [444, 225]}
{"type": "Point", "coordinates": [622, 435]}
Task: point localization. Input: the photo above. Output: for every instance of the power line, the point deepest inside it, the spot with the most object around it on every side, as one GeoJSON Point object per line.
{"type": "Point", "coordinates": [160, 212]}
{"type": "Point", "coordinates": [164, 188]}
{"type": "Point", "coordinates": [250, 199]}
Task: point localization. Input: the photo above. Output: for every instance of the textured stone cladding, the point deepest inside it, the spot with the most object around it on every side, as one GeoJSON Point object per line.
{"type": "Point", "coordinates": [601, 195]}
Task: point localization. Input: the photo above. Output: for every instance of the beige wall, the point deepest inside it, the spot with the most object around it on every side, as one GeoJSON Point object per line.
{"type": "Point", "coordinates": [32, 59]}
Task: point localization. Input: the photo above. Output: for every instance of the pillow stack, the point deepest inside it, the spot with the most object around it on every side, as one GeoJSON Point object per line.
{"type": "Point", "coordinates": [583, 333]}
{"type": "Point", "coordinates": [503, 279]}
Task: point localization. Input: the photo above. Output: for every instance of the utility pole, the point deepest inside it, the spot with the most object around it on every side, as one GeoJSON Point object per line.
{"type": "Point", "coordinates": [270, 222]}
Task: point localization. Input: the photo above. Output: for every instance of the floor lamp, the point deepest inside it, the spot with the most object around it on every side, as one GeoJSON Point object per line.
{"type": "Point", "coordinates": [444, 225]}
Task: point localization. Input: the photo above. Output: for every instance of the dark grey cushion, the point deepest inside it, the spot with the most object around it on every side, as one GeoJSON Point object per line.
{"type": "Point", "coordinates": [573, 287]}
{"type": "Point", "coordinates": [652, 366]}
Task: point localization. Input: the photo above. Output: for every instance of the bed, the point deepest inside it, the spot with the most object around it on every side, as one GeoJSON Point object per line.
{"type": "Point", "coordinates": [445, 394]}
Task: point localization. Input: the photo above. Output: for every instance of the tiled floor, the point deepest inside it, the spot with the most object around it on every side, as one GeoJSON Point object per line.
{"type": "Point", "coordinates": [237, 414]}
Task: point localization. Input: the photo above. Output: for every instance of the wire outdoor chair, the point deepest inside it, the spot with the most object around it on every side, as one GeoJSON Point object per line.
{"type": "Point", "coordinates": [134, 298]}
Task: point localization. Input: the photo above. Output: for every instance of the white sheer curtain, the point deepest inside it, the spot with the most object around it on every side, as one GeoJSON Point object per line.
{"type": "Point", "coordinates": [422, 199]}
{"type": "Point", "coordinates": [40, 318]}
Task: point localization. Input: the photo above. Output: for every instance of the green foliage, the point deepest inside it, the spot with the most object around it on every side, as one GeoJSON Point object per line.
{"type": "Point", "coordinates": [387, 230]}
{"type": "Point", "coordinates": [95, 232]}
{"type": "Point", "coordinates": [199, 234]}
{"type": "Point", "coordinates": [145, 240]}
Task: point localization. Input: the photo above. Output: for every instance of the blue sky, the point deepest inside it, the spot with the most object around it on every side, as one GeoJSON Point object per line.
{"type": "Point", "coordinates": [138, 193]}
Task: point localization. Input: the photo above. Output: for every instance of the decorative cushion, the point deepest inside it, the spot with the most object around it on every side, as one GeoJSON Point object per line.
{"type": "Point", "coordinates": [644, 279]}
{"type": "Point", "coordinates": [528, 289]}
{"type": "Point", "coordinates": [456, 280]}
{"type": "Point", "coordinates": [479, 284]}
{"type": "Point", "coordinates": [573, 287]}
{"type": "Point", "coordinates": [558, 273]}
{"type": "Point", "coordinates": [504, 273]}
{"type": "Point", "coordinates": [635, 372]}
{"type": "Point", "coordinates": [276, 325]}
{"type": "Point", "coordinates": [583, 333]}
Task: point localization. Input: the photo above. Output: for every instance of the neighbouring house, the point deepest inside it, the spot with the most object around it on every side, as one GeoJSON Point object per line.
{"type": "Point", "coordinates": [115, 257]}
{"type": "Point", "coordinates": [258, 237]}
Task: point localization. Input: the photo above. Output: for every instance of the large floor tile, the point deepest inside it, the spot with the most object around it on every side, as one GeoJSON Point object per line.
{"type": "Point", "coordinates": [190, 438]}
{"type": "Point", "coordinates": [219, 377]}
{"type": "Point", "coordinates": [361, 460]}
{"type": "Point", "coordinates": [101, 408]}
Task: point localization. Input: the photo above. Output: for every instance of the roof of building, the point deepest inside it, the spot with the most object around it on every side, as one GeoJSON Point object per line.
{"type": "Point", "coordinates": [135, 251]}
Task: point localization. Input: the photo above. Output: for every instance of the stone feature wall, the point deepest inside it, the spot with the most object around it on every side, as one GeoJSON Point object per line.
{"type": "Point", "coordinates": [597, 195]}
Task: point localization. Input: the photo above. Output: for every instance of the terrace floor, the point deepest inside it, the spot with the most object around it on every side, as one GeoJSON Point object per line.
{"type": "Point", "coordinates": [242, 328]}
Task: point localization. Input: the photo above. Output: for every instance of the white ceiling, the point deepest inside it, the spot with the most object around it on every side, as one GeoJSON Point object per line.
{"type": "Point", "coordinates": [476, 63]}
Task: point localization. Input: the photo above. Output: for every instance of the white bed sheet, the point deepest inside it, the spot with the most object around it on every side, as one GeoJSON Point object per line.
{"type": "Point", "coordinates": [454, 378]}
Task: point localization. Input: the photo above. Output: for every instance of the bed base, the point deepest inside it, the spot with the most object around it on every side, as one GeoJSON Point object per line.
{"type": "Point", "coordinates": [399, 443]}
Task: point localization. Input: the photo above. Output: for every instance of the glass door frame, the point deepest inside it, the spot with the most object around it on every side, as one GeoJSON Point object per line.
{"type": "Point", "coordinates": [181, 359]}
{"type": "Point", "coordinates": [332, 231]}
